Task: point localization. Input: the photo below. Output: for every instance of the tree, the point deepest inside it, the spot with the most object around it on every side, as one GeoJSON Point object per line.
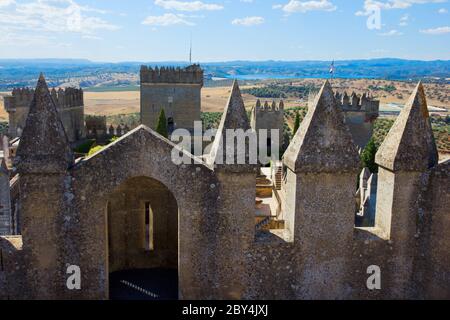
{"type": "Point", "coordinates": [296, 123]}
{"type": "Point", "coordinates": [368, 156]}
{"type": "Point", "coordinates": [161, 125]}
{"type": "Point", "coordinates": [94, 150]}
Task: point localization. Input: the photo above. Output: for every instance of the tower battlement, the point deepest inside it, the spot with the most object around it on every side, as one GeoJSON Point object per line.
{"type": "Point", "coordinates": [269, 117]}
{"type": "Point", "coordinates": [177, 91]}
{"type": "Point", "coordinates": [69, 102]}
{"type": "Point", "coordinates": [273, 107]}
{"type": "Point", "coordinates": [64, 98]}
{"type": "Point", "coordinates": [353, 103]}
{"type": "Point", "coordinates": [192, 74]}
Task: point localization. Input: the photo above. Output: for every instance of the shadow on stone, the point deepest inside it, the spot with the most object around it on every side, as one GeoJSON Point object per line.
{"type": "Point", "coordinates": [144, 284]}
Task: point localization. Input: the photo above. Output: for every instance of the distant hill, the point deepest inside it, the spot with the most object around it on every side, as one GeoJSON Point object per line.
{"type": "Point", "coordinates": [16, 72]}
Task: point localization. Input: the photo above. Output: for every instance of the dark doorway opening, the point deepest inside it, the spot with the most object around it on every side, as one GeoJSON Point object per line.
{"type": "Point", "coordinates": [170, 125]}
{"type": "Point", "coordinates": [144, 284]}
{"type": "Point", "coordinates": [142, 216]}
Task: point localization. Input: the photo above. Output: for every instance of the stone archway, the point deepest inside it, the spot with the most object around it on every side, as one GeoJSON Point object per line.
{"type": "Point", "coordinates": [142, 235]}
{"type": "Point", "coordinates": [142, 153]}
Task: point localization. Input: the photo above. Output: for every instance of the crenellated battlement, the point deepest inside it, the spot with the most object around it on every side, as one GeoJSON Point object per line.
{"type": "Point", "coordinates": [354, 103]}
{"type": "Point", "coordinates": [192, 74]}
{"type": "Point", "coordinates": [68, 102]}
{"type": "Point", "coordinates": [96, 127]}
{"type": "Point", "coordinates": [64, 98]}
{"type": "Point", "coordinates": [273, 107]}
{"type": "Point", "coordinates": [316, 253]}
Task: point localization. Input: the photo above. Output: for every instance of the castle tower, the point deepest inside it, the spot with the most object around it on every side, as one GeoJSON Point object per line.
{"type": "Point", "coordinates": [69, 104]}
{"type": "Point", "coordinates": [177, 91]}
{"type": "Point", "coordinates": [268, 118]}
{"type": "Point", "coordinates": [5, 200]}
{"type": "Point", "coordinates": [322, 166]}
{"type": "Point", "coordinates": [43, 157]}
{"type": "Point", "coordinates": [408, 151]}
{"type": "Point", "coordinates": [235, 213]}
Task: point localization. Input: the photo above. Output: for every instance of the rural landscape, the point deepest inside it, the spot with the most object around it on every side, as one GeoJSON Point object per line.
{"type": "Point", "coordinates": [224, 155]}
{"type": "Point", "coordinates": [116, 95]}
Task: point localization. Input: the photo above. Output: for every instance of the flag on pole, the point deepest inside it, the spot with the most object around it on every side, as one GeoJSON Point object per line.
{"type": "Point", "coordinates": [332, 69]}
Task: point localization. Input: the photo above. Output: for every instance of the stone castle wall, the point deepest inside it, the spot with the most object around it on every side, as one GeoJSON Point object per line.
{"type": "Point", "coordinates": [319, 255]}
{"type": "Point", "coordinates": [69, 103]}
{"type": "Point", "coordinates": [5, 202]}
{"type": "Point", "coordinates": [269, 117]}
{"type": "Point", "coordinates": [360, 113]}
{"type": "Point", "coordinates": [177, 91]}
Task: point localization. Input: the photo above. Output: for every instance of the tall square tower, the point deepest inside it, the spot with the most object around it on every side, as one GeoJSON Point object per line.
{"type": "Point", "coordinates": [176, 90]}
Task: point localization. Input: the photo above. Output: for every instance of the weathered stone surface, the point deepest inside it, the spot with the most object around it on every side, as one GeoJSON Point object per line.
{"type": "Point", "coordinates": [177, 91]}
{"type": "Point", "coordinates": [90, 214]}
{"type": "Point", "coordinates": [225, 153]}
{"type": "Point", "coordinates": [44, 146]}
{"type": "Point", "coordinates": [272, 119]}
{"type": "Point", "coordinates": [323, 142]}
{"type": "Point", "coordinates": [410, 144]}
{"type": "Point", "coordinates": [69, 103]}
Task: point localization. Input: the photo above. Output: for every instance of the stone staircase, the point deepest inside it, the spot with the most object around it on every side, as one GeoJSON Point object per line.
{"type": "Point", "coordinates": [263, 223]}
{"type": "Point", "coordinates": [278, 175]}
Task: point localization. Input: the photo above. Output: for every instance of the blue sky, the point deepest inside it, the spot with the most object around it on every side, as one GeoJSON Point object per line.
{"type": "Point", "coordinates": [222, 30]}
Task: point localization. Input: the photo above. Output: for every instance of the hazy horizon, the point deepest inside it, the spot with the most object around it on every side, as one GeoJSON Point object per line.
{"type": "Point", "coordinates": [218, 61]}
{"type": "Point", "coordinates": [225, 30]}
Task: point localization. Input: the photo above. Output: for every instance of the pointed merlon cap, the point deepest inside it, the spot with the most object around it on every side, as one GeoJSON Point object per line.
{"type": "Point", "coordinates": [223, 155]}
{"type": "Point", "coordinates": [410, 145]}
{"type": "Point", "coordinates": [3, 166]}
{"type": "Point", "coordinates": [281, 105]}
{"type": "Point", "coordinates": [43, 147]}
{"type": "Point", "coordinates": [258, 104]}
{"type": "Point", "coordinates": [274, 105]}
{"type": "Point", "coordinates": [323, 143]}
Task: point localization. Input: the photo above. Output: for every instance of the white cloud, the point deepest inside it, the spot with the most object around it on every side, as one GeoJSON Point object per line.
{"type": "Point", "coordinates": [187, 5]}
{"type": "Point", "coordinates": [304, 6]}
{"type": "Point", "coordinates": [436, 31]}
{"type": "Point", "coordinates": [443, 11]}
{"type": "Point", "coordinates": [5, 3]}
{"type": "Point", "coordinates": [392, 4]}
{"type": "Point", "coordinates": [167, 19]}
{"type": "Point", "coordinates": [404, 20]}
{"type": "Point", "coordinates": [54, 16]}
{"type": "Point", "coordinates": [248, 21]}
{"type": "Point", "coordinates": [391, 33]}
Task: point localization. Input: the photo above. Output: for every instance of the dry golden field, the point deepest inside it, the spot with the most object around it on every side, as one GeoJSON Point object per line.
{"type": "Point", "coordinates": [3, 114]}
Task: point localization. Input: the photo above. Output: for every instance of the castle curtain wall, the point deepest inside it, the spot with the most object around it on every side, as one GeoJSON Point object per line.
{"type": "Point", "coordinates": [142, 154]}
{"type": "Point", "coordinates": [129, 211]}
{"type": "Point", "coordinates": [410, 243]}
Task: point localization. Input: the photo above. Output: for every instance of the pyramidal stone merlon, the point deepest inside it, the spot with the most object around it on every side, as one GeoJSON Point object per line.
{"type": "Point", "coordinates": [225, 155]}
{"type": "Point", "coordinates": [410, 143]}
{"type": "Point", "coordinates": [44, 146]}
{"type": "Point", "coordinates": [323, 142]}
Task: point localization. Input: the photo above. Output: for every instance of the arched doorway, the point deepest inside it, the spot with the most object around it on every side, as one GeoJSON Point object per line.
{"type": "Point", "coordinates": [142, 216]}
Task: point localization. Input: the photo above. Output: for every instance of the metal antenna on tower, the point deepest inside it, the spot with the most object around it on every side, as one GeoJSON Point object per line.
{"type": "Point", "coordinates": [190, 51]}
